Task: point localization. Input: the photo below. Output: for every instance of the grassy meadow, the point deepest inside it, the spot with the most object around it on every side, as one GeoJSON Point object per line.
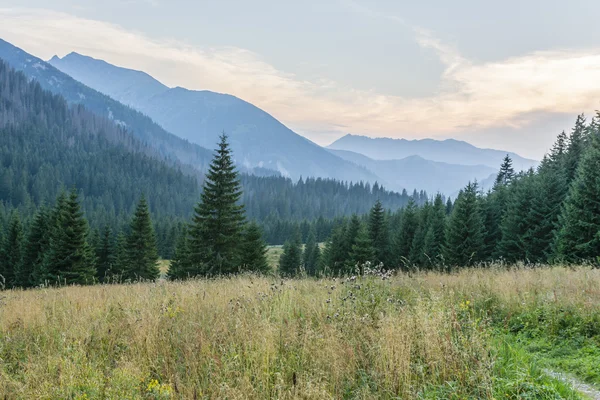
{"type": "Point", "coordinates": [474, 334]}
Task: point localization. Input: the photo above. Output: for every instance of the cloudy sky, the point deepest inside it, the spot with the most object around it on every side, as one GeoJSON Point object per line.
{"type": "Point", "coordinates": [508, 75]}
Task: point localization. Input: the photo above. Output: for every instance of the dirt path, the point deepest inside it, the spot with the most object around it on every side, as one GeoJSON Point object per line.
{"type": "Point", "coordinates": [581, 387]}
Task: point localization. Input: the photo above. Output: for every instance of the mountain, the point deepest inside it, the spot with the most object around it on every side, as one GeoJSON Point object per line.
{"type": "Point", "coordinates": [47, 145]}
{"type": "Point", "coordinates": [415, 171]}
{"type": "Point", "coordinates": [448, 151]}
{"type": "Point", "coordinates": [257, 139]}
{"type": "Point", "coordinates": [142, 127]}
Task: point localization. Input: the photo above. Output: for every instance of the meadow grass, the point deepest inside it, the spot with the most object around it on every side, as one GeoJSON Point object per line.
{"type": "Point", "coordinates": [420, 335]}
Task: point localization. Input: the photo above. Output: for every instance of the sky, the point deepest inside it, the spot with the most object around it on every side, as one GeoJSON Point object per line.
{"type": "Point", "coordinates": [509, 75]}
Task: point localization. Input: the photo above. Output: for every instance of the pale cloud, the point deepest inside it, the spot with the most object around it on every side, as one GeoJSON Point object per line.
{"type": "Point", "coordinates": [471, 96]}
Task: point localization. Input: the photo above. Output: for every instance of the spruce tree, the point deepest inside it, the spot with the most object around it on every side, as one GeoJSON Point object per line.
{"type": "Point", "coordinates": [351, 235]}
{"type": "Point", "coordinates": [105, 255]}
{"type": "Point", "coordinates": [181, 267]}
{"type": "Point", "coordinates": [517, 220]}
{"type": "Point", "coordinates": [36, 245]}
{"type": "Point", "coordinates": [379, 234]}
{"type": "Point", "coordinates": [218, 222]}
{"type": "Point", "coordinates": [506, 173]}
{"type": "Point", "coordinates": [406, 234]}
{"type": "Point", "coordinates": [362, 250]}
{"type": "Point", "coordinates": [575, 148]}
{"type": "Point", "coordinates": [121, 262]}
{"type": "Point", "coordinates": [464, 233]}
{"type": "Point", "coordinates": [12, 252]}
{"type": "Point", "coordinates": [579, 236]}
{"type": "Point", "coordinates": [436, 233]}
{"type": "Point", "coordinates": [417, 256]}
{"type": "Point", "coordinates": [550, 190]}
{"type": "Point", "coordinates": [70, 258]}
{"type": "Point", "coordinates": [141, 252]}
{"type": "Point", "coordinates": [254, 250]}
{"type": "Point", "coordinates": [312, 254]}
{"type": "Point", "coordinates": [290, 260]}
{"type": "Point", "coordinates": [335, 255]}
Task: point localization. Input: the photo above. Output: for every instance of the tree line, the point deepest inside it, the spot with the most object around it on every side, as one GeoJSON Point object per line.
{"type": "Point", "coordinates": [547, 215]}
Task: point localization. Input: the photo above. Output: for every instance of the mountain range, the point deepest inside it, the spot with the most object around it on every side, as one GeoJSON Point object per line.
{"type": "Point", "coordinates": [257, 139]}
{"type": "Point", "coordinates": [182, 124]}
{"type": "Point", "coordinates": [447, 151]}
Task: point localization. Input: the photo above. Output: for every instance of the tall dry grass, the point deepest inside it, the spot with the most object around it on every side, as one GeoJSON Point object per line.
{"type": "Point", "coordinates": [257, 338]}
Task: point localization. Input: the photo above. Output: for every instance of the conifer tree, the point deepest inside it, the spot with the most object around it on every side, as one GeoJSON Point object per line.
{"type": "Point", "coordinates": [290, 260]}
{"type": "Point", "coordinates": [121, 261]}
{"type": "Point", "coordinates": [351, 235]}
{"type": "Point", "coordinates": [254, 250]}
{"type": "Point", "coordinates": [312, 254]}
{"type": "Point", "coordinates": [517, 222]}
{"type": "Point", "coordinates": [579, 236]}
{"type": "Point", "coordinates": [141, 252]}
{"type": "Point", "coordinates": [436, 233]}
{"type": "Point", "coordinates": [417, 256]}
{"type": "Point", "coordinates": [550, 190]}
{"type": "Point", "coordinates": [362, 250]}
{"type": "Point", "coordinates": [406, 234]}
{"type": "Point", "coordinates": [379, 234]}
{"type": "Point", "coordinates": [218, 221]}
{"type": "Point", "coordinates": [36, 245]}
{"type": "Point", "coordinates": [335, 255]}
{"type": "Point", "coordinates": [575, 148]}
{"type": "Point", "coordinates": [180, 267]}
{"type": "Point", "coordinates": [506, 173]}
{"type": "Point", "coordinates": [12, 251]}
{"type": "Point", "coordinates": [70, 258]}
{"type": "Point", "coordinates": [105, 255]}
{"type": "Point", "coordinates": [464, 233]}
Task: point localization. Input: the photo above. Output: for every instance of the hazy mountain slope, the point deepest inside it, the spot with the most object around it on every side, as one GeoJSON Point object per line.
{"type": "Point", "coordinates": [141, 126]}
{"type": "Point", "coordinates": [415, 171]}
{"type": "Point", "coordinates": [128, 87]}
{"type": "Point", "coordinates": [257, 138]}
{"type": "Point", "coordinates": [449, 151]}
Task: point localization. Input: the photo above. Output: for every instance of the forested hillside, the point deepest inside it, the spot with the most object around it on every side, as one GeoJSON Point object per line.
{"type": "Point", "coordinates": [47, 145]}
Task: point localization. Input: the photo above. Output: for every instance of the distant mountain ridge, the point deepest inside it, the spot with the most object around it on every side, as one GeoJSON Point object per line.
{"type": "Point", "coordinates": [257, 139]}
{"type": "Point", "coordinates": [415, 171]}
{"type": "Point", "coordinates": [449, 151]}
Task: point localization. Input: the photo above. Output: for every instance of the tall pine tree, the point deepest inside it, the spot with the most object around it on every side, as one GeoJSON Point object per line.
{"type": "Point", "coordinates": [579, 236]}
{"type": "Point", "coordinates": [36, 245]}
{"type": "Point", "coordinates": [464, 233]}
{"type": "Point", "coordinates": [141, 253]}
{"type": "Point", "coordinates": [254, 250]}
{"type": "Point", "coordinates": [70, 258]}
{"type": "Point", "coordinates": [312, 254]}
{"type": "Point", "coordinates": [218, 222]}
{"type": "Point", "coordinates": [12, 252]}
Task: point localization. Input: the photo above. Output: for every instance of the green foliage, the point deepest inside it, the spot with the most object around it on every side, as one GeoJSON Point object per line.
{"type": "Point", "coordinates": [219, 219]}
{"type": "Point", "coordinates": [141, 252]}
{"type": "Point", "coordinates": [290, 261]}
{"type": "Point", "coordinates": [379, 234]}
{"type": "Point", "coordinates": [37, 243]}
{"type": "Point", "coordinates": [105, 255]}
{"type": "Point", "coordinates": [70, 259]}
{"type": "Point", "coordinates": [362, 250]}
{"type": "Point", "coordinates": [464, 233]}
{"type": "Point", "coordinates": [12, 253]}
{"type": "Point", "coordinates": [579, 236]}
{"type": "Point", "coordinates": [405, 234]}
{"type": "Point", "coordinates": [254, 250]}
{"type": "Point", "coordinates": [311, 258]}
